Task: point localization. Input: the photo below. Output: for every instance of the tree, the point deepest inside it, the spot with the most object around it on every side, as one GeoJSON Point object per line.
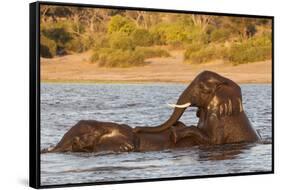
{"type": "Point", "coordinates": [201, 20]}
{"type": "Point", "coordinates": [43, 12]}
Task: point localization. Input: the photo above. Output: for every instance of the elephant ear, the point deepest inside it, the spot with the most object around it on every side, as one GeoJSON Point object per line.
{"type": "Point", "coordinates": [227, 101]}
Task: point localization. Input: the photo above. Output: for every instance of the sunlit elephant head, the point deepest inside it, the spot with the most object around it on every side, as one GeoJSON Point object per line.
{"type": "Point", "coordinates": [208, 91]}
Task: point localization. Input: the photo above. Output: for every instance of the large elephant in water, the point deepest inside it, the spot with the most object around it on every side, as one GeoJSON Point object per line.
{"type": "Point", "coordinates": [221, 115]}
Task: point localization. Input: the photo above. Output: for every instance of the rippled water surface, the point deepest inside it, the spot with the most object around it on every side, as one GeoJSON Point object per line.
{"type": "Point", "coordinates": [62, 105]}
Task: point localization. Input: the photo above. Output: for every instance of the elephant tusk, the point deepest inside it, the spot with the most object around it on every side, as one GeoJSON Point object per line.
{"type": "Point", "coordinates": [221, 110]}
{"type": "Point", "coordinates": [229, 107]}
{"type": "Point", "coordinates": [180, 106]}
{"type": "Point", "coordinates": [240, 105]}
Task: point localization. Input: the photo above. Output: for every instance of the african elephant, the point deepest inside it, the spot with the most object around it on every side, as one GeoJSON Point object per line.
{"type": "Point", "coordinates": [96, 136]}
{"type": "Point", "coordinates": [221, 115]}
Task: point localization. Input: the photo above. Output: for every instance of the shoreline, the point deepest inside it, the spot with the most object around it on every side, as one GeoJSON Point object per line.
{"type": "Point", "coordinates": [130, 82]}
{"type": "Point", "coordinates": [77, 68]}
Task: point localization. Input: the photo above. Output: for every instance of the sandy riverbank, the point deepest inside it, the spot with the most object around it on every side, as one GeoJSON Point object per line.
{"type": "Point", "coordinates": [77, 68]}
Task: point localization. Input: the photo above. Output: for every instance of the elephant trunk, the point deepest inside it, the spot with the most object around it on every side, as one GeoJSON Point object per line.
{"type": "Point", "coordinates": [179, 108]}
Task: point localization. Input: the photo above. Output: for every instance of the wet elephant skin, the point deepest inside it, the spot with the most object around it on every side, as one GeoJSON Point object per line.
{"type": "Point", "coordinates": [96, 136]}
{"type": "Point", "coordinates": [222, 120]}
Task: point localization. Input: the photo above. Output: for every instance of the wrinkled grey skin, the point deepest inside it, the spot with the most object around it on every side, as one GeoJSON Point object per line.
{"type": "Point", "coordinates": [222, 117]}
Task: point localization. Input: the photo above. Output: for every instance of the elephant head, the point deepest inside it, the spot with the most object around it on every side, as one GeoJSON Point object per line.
{"type": "Point", "coordinates": [208, 91]}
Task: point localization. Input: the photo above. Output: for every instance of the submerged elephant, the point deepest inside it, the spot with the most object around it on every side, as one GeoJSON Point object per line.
{"type": "Point", "coordinates": [96, 136]}
{"type": "Point", "coordinates": [221, 115]}
{"type": "Point", "coordinates": [222, 120]}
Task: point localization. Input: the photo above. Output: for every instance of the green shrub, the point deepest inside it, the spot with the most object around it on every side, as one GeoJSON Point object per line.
{"type": "Point", "coordinates": [100, 52]}
{"type": "Point", "coordinates": [124, 59]}
{"type": "Point", "coordinates": [48, 47]}
{"type": "Point", "coordinates": [121, 41]}
{"type": "Point", "coordinates": [219, 35]}
{"type": "Point", "coordinates": [177, 34]}
{"type": "Point", "coordinates": [191, 48]}
{"type": "Point", "coordinates": [101, 41]}
{"type": "Point", "coordinates": [258, 48]}
{"type": "Point", "coordinates": [149, 52]}
{"type": "Point", "coordinates": [75, 45]}
{"type": "Point", "coordinates": [95, 57]}
{"type": "Point", "coordinates": [68, 36]}
{"type": "Point", "coordinates": [171, 34]}
{"type": "Point", "coordinates": [121, 24]}
{"type": "Point", "coordinates": [80, 44]}
{"type": "Point", "coordinates": [59, 32]}
{"type": "Point", "coordinates": [262, 40]}
{"type": "Point", "coordinates": [255, 49]}
{"type": "Point", "coordinates": [202, 53]}
{"type": "Point", "coordinates": [142, 37]}
{"type": "Point", "coordinates": [195, 35]}
{"type": "Point", "coordinates": [238, 54]}
{"type": "Point", "coordinates": [108, 57]}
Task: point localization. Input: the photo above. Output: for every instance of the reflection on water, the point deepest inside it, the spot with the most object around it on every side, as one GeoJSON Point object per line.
{"type": "Point", "coordinates": [62, 105]}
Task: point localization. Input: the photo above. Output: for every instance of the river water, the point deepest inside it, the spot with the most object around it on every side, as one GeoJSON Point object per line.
{"type": "Point", "coordinates": [62, 105]}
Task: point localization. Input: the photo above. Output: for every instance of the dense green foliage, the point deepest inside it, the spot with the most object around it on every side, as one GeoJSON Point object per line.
{"type": "Point", "coordinates": [126, 38]}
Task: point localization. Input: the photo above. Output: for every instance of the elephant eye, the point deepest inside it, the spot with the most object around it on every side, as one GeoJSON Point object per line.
{"type": "Point", "coordinates": [201, 86]}
{"type": "Point", "coordinates": [204, 89]}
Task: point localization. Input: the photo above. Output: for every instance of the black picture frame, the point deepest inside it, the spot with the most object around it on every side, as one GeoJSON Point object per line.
{"type": "Point", "coordinates": [34, 93]}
